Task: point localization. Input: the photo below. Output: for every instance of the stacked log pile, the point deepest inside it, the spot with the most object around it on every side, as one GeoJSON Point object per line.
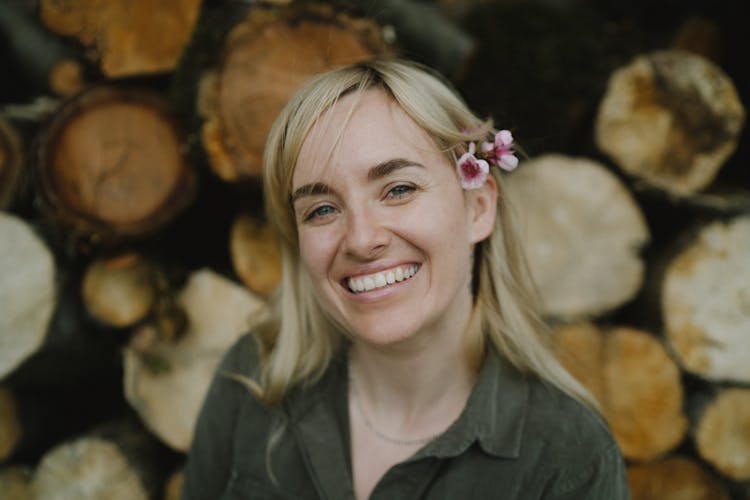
{"type": "Point", "coordinates": [133, 247]}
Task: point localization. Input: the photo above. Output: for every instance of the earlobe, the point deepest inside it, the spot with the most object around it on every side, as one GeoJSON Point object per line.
{"type": "Point", "coordinates": [483, 210]}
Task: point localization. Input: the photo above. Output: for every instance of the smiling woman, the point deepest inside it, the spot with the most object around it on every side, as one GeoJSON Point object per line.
{"type": "Point", "coordinates": [406, 358]}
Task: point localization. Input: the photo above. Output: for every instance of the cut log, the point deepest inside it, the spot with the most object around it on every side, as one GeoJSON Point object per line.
{"type": "Point", "coordinates": [10, 163]}
{"type": "Point", "coordinates": [722, 436]}
{"type": "Point", "coordinates": [128, 37]}
{"type": "Point", "coordinates": [670, 118]}
{"type": "Point", "coordinates": [166, 381]}
{"type": "Point", "coordinates": [705, 302]}
{"type": "Point", "coordinates": [66, 77]}
{"type": "Point", "coordinates": [676, 478]}
{"type": "Point", "coordinates": [15, 483]}
{"type": "Point", "coordinates": [634, 380]}
{"type": "Point", "coordinates": [27, 292]}
{"type": "Point", "coordinates": [117, 461]}
{"type": "Point", "coordinates": [11, 430]}
{"type": "Point", "coordinates": [582, 232]}
{"type": "Point", "coordinates": [266, 59]}
{"type": "Point", "coordinates": [111, 165]}
{"type": "Point", "coordinates": [120, 291]}
{"type": "Point", "coordinates": [255, 254]}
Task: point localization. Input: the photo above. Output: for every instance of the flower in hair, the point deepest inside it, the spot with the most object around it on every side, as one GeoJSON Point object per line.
{"type": "Point", "coordinates": [472, 170]}
{"type": "Point", "coordinates": [473, 167]}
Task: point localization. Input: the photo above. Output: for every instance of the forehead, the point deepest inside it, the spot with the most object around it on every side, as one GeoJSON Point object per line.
{"type": "Point", "coordinates": [359, 131]}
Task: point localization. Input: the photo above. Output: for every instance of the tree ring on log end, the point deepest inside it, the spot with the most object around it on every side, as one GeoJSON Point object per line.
{"type": "Point", "coordinates": [111, 163]}
{"type": "Point", "coordinates": [266, 59]}
{"type": "Point", "coordinates": [670, 118]}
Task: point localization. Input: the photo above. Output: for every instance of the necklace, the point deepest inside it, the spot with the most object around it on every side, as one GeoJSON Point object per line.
{"type": "Point", "coordinates": [381, 435]}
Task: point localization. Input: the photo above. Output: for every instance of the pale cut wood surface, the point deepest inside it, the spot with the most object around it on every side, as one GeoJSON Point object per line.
{"type": "Point", "coordinates": [27, 291]}
{"type": "Point", "coordinates": [582, 232]}
{"type": "Point", "coordinates": [166, 382]}
{"type": "Point", "coordinates": [670, 118]}
{"type": "Point", "coordinates": [705, 302]}
{"type": "Point", "coordinates": [114, 461]}
{"type": "Point", "coordinates": [634, 380]}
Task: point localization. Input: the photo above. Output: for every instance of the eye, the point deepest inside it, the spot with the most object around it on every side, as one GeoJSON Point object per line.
{"type": "Point", "coordinates": [400, 191]}
{"type": "Point", "coordinates": [320, 213]}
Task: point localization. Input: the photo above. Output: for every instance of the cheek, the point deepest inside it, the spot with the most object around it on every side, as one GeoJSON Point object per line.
{"type": "Point", "coordinates": [316, 250]}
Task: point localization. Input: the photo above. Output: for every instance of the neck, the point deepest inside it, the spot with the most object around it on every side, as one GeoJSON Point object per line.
{"type": "Point", "coordinates": [411, 389]}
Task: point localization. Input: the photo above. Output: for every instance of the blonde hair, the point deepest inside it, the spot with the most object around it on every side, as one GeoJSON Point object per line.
{"type": "Point", "coordinates": [301, 341]}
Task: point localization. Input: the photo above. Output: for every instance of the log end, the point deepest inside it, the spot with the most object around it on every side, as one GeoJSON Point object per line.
{"type": "Point", "coordinates": [670, 118]}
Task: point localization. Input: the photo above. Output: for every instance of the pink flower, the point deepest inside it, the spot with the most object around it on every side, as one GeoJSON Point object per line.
{"type": "Point", "coordinates": [500, 152]}
{"type": "Point", "coordinates": [473, 172]}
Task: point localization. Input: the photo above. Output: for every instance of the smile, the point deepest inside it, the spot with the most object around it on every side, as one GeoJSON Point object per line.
{"type": "Point", "coordinates": [381, 279]}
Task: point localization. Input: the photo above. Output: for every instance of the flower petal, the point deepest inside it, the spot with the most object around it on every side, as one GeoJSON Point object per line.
{"type": "Point", "coordinates": [508, 162]}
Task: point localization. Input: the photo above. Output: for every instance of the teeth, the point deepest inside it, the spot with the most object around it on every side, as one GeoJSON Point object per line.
{"type": "Point", "coordinates": [379, 280]}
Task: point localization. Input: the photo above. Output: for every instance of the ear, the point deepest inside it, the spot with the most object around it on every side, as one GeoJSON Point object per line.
{"type": "Point", "coordinates": [482, 205]}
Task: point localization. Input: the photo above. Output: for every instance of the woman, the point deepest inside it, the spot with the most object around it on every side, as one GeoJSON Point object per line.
{"type": "Point", "coordinates": [405, 359]}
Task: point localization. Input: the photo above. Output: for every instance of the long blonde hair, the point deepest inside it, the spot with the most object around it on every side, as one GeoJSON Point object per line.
{"type": "Point", "coordinates": [300, 341]}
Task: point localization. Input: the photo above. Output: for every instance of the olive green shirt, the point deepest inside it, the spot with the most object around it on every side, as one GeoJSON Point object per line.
{"type": "Point", "coordinates": [517, 438]}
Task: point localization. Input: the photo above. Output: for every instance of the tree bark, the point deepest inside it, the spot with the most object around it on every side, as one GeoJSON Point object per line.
{"type": "Point", "coordinates": [582, 232]}
{"type": "Point", "coordinates": [11, 160]}
{"type": "Point", "coordinates": [27, 292]}
{"type": "Point", "coordinates": [670, 118]}
{"type": "Point", "coordinates": [11, 429]}
{"type": "Point", "coordinates": [705, 302]}
{"type": "Point", "coordinates": [166, 381]}
{"type": "Point", "coordinates": [111, 165]}
{"type": "Point", "coordinates": [266, 59]}
{"type": "Point", "coordinates": [127, 37]}
{"type": "Point", "coordinates": [15, 483]}
{"type": "Point", "coordinates": [634, 380]}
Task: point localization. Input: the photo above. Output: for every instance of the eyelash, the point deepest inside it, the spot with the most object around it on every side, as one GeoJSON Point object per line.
{"type": "Point", "coordinates": [315, 213]}
{"type": "Point", "coordinates": [407, 187]}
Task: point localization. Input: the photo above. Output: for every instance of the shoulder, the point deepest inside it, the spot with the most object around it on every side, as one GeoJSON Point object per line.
{"type": "Point", "coordinates": [578, 450]}
{"type": "Point", "coordinates": [242, 356]}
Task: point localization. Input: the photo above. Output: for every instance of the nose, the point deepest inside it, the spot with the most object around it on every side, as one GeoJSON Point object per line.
{"type": "Point", "coordinates": [367, 236]}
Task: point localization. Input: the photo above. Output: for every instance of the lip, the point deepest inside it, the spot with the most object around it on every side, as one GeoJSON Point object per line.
{"type": "Point", "coordinates": [378, 292]}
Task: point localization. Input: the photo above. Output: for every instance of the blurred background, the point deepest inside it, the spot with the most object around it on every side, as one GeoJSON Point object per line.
{"type": "Point", "coordinates": [134, 251]}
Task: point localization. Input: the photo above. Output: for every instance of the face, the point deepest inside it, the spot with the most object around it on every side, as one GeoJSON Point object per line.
{"type": "Point", "coordinates": [386, 232]}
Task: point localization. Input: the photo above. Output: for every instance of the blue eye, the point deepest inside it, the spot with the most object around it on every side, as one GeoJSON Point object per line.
{"type": "Point", "coordinates": [400, 191]}
{"type": "Point", "coordinates": [320, 212]}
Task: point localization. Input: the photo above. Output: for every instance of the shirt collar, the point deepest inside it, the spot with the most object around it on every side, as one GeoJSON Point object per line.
{"type": "Point", "coordinates": [494, 416]}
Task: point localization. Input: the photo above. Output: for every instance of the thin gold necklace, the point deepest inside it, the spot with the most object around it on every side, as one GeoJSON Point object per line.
{"type": "Point", "coordinates": [381, 435]}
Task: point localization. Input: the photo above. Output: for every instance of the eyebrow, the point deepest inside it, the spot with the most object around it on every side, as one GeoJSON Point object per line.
{"type": "Point", "coordinates": [382, 169]}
